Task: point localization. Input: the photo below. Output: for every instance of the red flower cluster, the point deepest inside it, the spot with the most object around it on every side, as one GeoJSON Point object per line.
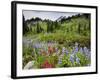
{"type": "Point", "coordinates": [46, 64]}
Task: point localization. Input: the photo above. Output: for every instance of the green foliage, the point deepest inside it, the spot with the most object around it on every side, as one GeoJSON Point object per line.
{"type": "Point", "coordinates": [65, 33]}
{"type": "Point", "coordinates": [53, 59]}
{"type": "Point", "coordinates": [83, 59]}
{"type": "Point", "coordinates": [40, 60]}
{"type": "Point", "coordinates": [66, 61]}
{"type": "Point", "coordinates": [25, 27]}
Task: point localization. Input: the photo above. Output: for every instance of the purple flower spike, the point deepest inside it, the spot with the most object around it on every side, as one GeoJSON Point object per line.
{"type": "Point", "coordinates": [72, 58]}
{"type": "Point", "coordinates": [78, 60]}
{"type": "Point", "coordinates": [86, 50]}
{"type": "Point", "coordinates": [60, 61]}
{"type": "Point", "coordinates": [67, 52]}
{"type": "Point", "coordinates": [56, 49]}
{"type": "Point", "coordinates": [89, 55]}
{"type": "Point", "coordinates": [81, 50]}
{"type": "Point", "coordinates": [76, 49]}
{"type": "Point", "coordinates": [63, 50]}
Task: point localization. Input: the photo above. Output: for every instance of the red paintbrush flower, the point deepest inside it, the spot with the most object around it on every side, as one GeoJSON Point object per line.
{"type": "Point", "coordinates": [46, 64]}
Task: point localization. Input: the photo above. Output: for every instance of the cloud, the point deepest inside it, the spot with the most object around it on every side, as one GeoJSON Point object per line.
{"type": "Point", "coordinates": [28, 14]}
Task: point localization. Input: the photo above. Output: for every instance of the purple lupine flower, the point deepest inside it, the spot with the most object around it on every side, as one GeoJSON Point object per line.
{"type": "Point", "coordinates": [78, 60]}
{"type": "Point", "coordinates": [39, 45]}
{"type": "Point", "coordinates": [63, 50]}
{"type": "Point", "coordinates": [86, 51]}
{"type": "Point", "coordinates": [81, 50]}
{"type": "Point", "coordinates": [67, 51]}
{"type": "Point", "coordinates": [58, 52]}
{"type": "Point", "coordinates": [36, 45]}
{"type": "Point", "coordinates": [76, 46]}
{"type": "Point", "coordinates": [89, 55]}
{"type": "Point", "coordinates": [72, 58]}
{"type": "Point", "coordinates": [59, 61]}
{"type": "Point", "coordinates": [75, 50]}
{"type": "Point", "coordinates": [56, 49]}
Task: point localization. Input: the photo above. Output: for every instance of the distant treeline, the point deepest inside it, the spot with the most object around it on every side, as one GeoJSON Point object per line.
{"type": "Point", "coordinates": [38, 25]}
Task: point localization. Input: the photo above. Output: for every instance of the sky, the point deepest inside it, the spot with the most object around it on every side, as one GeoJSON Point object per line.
{"type": "Point", "coordinates": [28, 14]}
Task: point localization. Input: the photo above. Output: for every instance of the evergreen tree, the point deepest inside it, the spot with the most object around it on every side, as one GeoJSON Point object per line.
{"type": "Point", "coordinates": [79, 28]}
{"type": "Point", "coordinates": [56, 24]}
{"type": "Point", "coordinates": [38, 28]}
{"type": "Point", "coordinates": [51, 26]}
{"type": "Point", "coordinates": [25, 27]}
{"type": "Point", "coordinates": [48, 28]}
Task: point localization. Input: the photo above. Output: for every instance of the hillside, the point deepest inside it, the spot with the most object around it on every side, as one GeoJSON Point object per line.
{"type": "Point", "coordinates": [64, 42]}
{"type": "Point", "coordinates": [75, 27]}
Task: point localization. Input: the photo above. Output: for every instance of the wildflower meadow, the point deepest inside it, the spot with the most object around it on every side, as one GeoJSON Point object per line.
{"type": "Point", "coordinates": [64, 42]}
